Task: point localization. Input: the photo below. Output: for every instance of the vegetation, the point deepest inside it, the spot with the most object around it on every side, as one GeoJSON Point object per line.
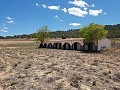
{"type": "Point", "coordinates": [113, 32]}
{"type": "Point", "coordinates": [93, 32]}
{"type": "Point", "coordinates": [73, 33]}
{"type": "Point", "coordinates": [42, 35]}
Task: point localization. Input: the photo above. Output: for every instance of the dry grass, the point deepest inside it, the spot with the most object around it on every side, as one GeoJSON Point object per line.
{"type": "Point", "coordinates": [15, 42]}
{"type": "Point", "coordinates": [28, 68]}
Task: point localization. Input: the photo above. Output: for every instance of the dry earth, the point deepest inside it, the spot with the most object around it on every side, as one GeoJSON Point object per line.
{"type": "Point", "coordinates": [25, 67]}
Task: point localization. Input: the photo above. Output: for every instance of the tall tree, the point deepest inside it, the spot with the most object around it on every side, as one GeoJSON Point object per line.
{"type": "Point", "coordinates": [42, 35]}
{"type": "Point", "coordinates": [93, 32]}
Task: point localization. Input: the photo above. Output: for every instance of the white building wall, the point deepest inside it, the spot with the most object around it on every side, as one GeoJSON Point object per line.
{"type": "Point", "coordinates": [101, 43]}
{"type": "Point", "coordinates": [104, 43]}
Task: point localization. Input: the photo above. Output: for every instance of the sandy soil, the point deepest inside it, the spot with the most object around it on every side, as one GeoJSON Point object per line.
{"type": "Point", "coordinates": [15, 42]}
{"type": "Point", "coordinates": [29, 68]}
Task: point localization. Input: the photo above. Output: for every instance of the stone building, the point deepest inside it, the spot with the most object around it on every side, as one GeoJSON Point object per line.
{"type": "Point", "coordinates": [77, 44]}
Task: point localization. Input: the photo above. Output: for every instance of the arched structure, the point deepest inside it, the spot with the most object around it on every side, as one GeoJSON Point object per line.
{"type": "Point", "coordinates": [94, 47]}
{"type": "Point", "coordinates": [41, 45]}
{"type": "Point", "coordinates": [85, 47]}
{"type": "Point", "coordinates": [55, 45]}
{"type": "Point", "coordinates": [45, 45]}
{"type": "Point", "coordinates": [59, 45]}
{"type": "Point", "coordinates": [90, 47]}
{"type": "Point", "coordinates": [66, 46]}
{"type": "Point", "coordinates": [49, 45]}
{"type": "Point", "coordinates": [76, 46]}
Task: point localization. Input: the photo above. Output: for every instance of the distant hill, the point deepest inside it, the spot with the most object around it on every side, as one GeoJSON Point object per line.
{"type": "Point", "coordinates": [113, 32]}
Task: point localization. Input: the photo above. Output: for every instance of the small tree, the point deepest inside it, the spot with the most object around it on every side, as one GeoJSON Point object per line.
{"type": "Point", "coordinates": [93, 32]}
{"type": "Point", "coordinates": [42, 35]}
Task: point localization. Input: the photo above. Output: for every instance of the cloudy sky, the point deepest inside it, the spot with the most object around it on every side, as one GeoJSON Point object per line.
{"type": "Point", "coordinates": [25, 16]}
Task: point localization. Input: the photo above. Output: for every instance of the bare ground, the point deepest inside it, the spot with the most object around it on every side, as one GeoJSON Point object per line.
{"type": "Point", "coordinates": [25, 67]}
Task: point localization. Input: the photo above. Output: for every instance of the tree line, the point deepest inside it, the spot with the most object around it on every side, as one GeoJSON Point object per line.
{"type": "Point", "coordinates": [113, 32]}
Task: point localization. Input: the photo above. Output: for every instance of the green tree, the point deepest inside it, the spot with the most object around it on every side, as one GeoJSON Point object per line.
{"type": "Point", "coordinates": [42, 35]}
{"type": "Point", "coordinates": [93, 32]}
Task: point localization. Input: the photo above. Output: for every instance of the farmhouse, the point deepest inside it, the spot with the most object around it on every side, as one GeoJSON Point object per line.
{"type": "Point", "coordinates": [76, 44]}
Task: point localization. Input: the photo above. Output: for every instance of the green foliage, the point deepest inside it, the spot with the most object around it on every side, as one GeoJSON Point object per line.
{"type": "Point", "coordinates": [42, 34]}
{"type": "Point", "coordinates": [93, 32]}
{"type": "Point", "coordinates": [113, 32]}
{"type": "Point", "coordinates": [72, 33]}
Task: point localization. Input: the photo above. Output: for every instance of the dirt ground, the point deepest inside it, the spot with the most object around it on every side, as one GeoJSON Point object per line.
{"type": "Point", "coordinates": [25, 67]}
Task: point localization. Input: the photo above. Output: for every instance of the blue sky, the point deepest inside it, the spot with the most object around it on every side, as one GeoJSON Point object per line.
{"type": "Point", "coordinates": [25, 16]}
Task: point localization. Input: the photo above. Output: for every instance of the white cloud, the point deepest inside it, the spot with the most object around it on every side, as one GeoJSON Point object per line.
{"type": "Point", "coordinates": [92, 5]}
{"type": "Point", "coordinates": [58, 18]}
{"type": "Point", "coordinates": [10, 20]}
{"type": "Point", "coordinates": [2, 30]}
{"type": "Point", "coordinates": [77, 12]}
{"type": "Point", "coordinates": [5, 29]}
{"type": "Point", "coordinates": [85, 8]}
{"type": "Point", "coordinates": [64, 10]}
{"type": "Point", "coordinates": [44, 6]}
{"type": "Point", "coordinates": [105, 13]}
{"type": "Point", "coordinates": [37, 4]}
{"type": "Point", "coordinates": [74, 24]}
{"type": "Point", "coordinates": [54, 7]}
{"type": "Point", "coordinates": [79, 3]}
{"type": "Point", "coordinates": [95, 12]}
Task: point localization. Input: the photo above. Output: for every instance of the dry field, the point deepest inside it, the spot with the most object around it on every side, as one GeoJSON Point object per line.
{"type": "Point", "coordinates": [25, 67]}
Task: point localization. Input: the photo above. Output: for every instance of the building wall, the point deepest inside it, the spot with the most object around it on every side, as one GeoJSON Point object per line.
{"type": "Point", "coordinates": [70, 44]}
{"type": "Point", "coordinates": [104, 43]}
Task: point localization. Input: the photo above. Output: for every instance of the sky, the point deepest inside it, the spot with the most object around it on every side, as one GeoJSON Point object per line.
{"type": "Point", "coordinates": [26, 16]}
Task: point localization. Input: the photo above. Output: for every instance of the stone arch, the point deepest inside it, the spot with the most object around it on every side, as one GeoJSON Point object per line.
{"type": "Point", "coordinates": [66, 46]}
{"type": "Point", "coordinates": [85, 47]}
{"type": "Point", "coordinates": [41, 45]}
{"type": "Point", "coordinates": [76, 46]}
{"type": "Point", "coordinates": [49, 45]}
{"type": "Point", "coordinates": [55, 45]}
{"type": "Point", "coordinates": [45, 45]}
{"type": "Point", "coordinates": [59, 45]}
{"type": "Point", "coordinates": [90, 47]}
{"type": "Point", "coordinates": [94, 47]}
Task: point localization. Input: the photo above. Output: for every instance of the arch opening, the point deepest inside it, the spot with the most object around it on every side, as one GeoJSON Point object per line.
{"type": "Point", "coordinates": [55, 45]}
{"type": "Point", "coordinates": [59, 45]}
{"type": "Point", "coordinates": [76, 46]}
{"type": "Point", "coordinates": [94, 47]}
{"type": "Point", "coordinates": [66, 46]}
{"type": "Point", "coordinates": [85, 47]}
{"type": "Point", "coordinates": [41, 45]}
{"type": "Point", "coordinates": [50, 45]}
{"type": "Point", "coordinates": [45, 45]}
{"type": "Point", "coordinates": [90, 47]}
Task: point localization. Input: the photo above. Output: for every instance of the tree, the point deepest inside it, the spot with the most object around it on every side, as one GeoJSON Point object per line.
{"type": "Point", "coordinates": [93, 32]}
{"type": "Point", "coordinates": [42, 35]}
